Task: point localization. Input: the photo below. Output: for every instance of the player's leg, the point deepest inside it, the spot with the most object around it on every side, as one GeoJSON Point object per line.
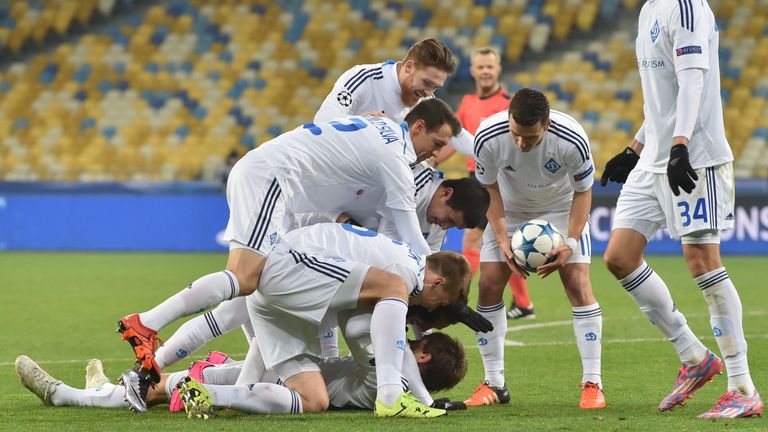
{"type": "Point", "coordinates": [494, 274]}
{"type": "Point", "coordinates": [256, 219]}
{"type": "Point", "coordinates": [196, 332]}
{"type": "Point", "coordinates": [639, 213]}
{"type": "Point", "coordinates": [587, 328]}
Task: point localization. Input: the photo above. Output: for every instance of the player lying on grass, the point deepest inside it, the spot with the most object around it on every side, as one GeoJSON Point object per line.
{"type": "Point", "coordinates": [434, 363]}
{"type": "Point", "coordinates": [353, 162]}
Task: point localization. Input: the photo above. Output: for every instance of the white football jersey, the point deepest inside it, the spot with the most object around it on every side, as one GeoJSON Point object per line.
{"type": "Point", "coordinates": [373, 88]}
{"type": "Point", "coordinates": [670, 40]}
{"type": "Point", "coordinates": [350, 243]}
{"type": "Point", "coordinates": [542, 179]}
{"type": "Point", "coordinates": [365, 88]}
{"type": "Point", "coordinates": [427, 180]}
{"type": "Point", "coordinates": [348, 163]}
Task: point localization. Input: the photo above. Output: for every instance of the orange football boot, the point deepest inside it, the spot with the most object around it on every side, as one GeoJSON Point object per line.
{"type": "Point", "coordinates": [591, 396]}
{"type": "Point", "coordinates": [144, 341]}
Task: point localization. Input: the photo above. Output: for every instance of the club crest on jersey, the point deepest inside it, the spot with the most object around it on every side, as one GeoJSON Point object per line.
{"type": "Point", "coordinates": [344, 98]}
{"type": "Point", "coordinates": [655, 31]}
{"type": "Point", "coordinates": [272, 239]}
{"type": "Point", "coordinates": [552, 166]}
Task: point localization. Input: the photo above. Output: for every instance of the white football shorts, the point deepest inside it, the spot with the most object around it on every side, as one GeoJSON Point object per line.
{"type": "Point", "coordinates": [490, 252]}
{"type": "Point", "coordinates": [295, 292]}
{"type": "Point", "coordinates": [646, 203]}
{"type": "Point", "coordinates": [256, 208]}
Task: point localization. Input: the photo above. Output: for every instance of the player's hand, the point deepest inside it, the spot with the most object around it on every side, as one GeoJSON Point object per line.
{"type": "Point", "coordinates": [679, 172]}
{"type": "Point", "coordinates": [562, 253]}
{"type": "Point", "coordinates": [465, 315]}
{"type": "Point", "coordinates": [448, 405]}
{"type": "Point", "coordinates": [618, 168]}
{"type": "Point", "coordinates": [509, 258]}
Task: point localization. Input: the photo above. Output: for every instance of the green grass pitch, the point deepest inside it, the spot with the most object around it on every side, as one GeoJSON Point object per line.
{"type": "Point", "coordinates": [61, 309]}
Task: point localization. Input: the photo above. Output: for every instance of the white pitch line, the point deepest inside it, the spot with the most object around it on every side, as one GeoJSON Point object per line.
{"type": "Point", "coordinates": [125, 360]}
{"type": "Point", "coordinates": [518, 344]}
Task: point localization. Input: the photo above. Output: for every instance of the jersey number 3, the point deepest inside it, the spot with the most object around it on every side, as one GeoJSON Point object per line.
{"type": "Point", "coordinates": [356, 124]}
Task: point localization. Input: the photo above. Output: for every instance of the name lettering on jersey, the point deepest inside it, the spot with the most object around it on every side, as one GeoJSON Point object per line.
{"type": "Point", "coordinates": [582, 175]}
{"type": "Point", "coordinates": [344, 98]}
{"type": "Point", "coordinates": [386, 132]}
{"type": "Point", "coordinates": [655, 31]}
{"type": "Point", "coordinates": [650, 64]}
{"type": "Point", "coordinates": [691, 49]}
{"type": "Point", "coordinates": [552, 166]}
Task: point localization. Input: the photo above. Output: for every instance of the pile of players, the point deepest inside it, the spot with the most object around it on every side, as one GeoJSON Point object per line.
{"type": "Point", "coordinates": [338, 224]}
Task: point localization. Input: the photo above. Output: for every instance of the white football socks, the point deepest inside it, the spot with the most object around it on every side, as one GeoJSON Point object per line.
{"type": "Point", "coordinates": [588, 329]}
{"type": "Point", "coordinates": [259, 398]}
{"type": "Point", "coordinates": [202, 294]}
{"type": "Point", "coordinates": [388, 340]}
{"type": "Point", "coordinates": [650, 293]}
{"type": "Point", "coordinates": [107, 396]}
{"type": "Point", "coordinates": [725, 316]}
{"type": "Point", "coordinates": [491, 344]}
{"type": "Point", "coordinates": [196, 332]}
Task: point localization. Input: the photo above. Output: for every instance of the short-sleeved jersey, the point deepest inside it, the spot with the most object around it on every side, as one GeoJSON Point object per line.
{"type": "Point", "coordinates": [365, 88]}
{"type": "Point", "coordinates": [348, 163]}
{"type": "Point", "coordinates": [351, 243]}
{"type": "Point", "coordinates": [671, 39]}
{"type": "Point", "coordinates": [473, 109]}
{"type": "Point", "coordinates": [542, 179]}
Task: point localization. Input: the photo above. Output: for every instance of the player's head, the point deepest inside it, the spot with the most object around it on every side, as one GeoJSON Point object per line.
{"type": "Point", "coordinates": [424, 70]}
{"type": "Point", "coordinates": [528, 118]}
{"type": "Point", "coordinates": [441, 359]}
{"type": "Point", "coordinates": [446, 280]}
{"type": "Point", "coordinates": [458, 203]}
{"type": "Point", "coordinates": [432, 123]}
{"type": "Point", "coordinates": [485, 68]}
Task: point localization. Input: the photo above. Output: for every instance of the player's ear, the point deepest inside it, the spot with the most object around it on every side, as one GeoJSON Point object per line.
{"type": "Point", "coordinates": [423, 357]}
{"type": "Point", "coordinates": [409, 66]}
{"type": "Point", "coordinates": [447, 193]}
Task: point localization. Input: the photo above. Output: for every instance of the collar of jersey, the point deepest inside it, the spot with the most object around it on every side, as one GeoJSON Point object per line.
{"type": "Point", "coordinates": [391, 72]}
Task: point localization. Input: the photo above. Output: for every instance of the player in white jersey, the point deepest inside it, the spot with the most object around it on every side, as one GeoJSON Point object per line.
{"type": "Point", "coordinates": [437, 359]}
{"type": "Point", "coordinates": [327, 268]}
{"type": "Point", "coordinates": [678, 174]}
{"type": "Point", "coordinates": [355, 162]}
{"type": "Point", "coordinates": [394, 88]}
{"type": "Point", "coordinates": [536, 164]}
{"type": "Point", "coordinates": [440, 204]}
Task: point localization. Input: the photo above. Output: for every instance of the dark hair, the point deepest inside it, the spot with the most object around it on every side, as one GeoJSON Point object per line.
{"type": "Point", "coordinates": [435, 114]}
{"type": "Point", "coordinates": [448, 364]}
{"type": "Point", "coordinates": [528, 107]}
{"type": "Point", "coordinates": [432, 52]}
{"type": "Point", "coordinates": [470, 198]}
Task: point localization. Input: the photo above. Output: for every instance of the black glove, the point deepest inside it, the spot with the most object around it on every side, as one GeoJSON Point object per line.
{"type": "Point", "coordinates": [618, 168]}
{"type": "Point", "coordinates": [460, 312]}
{"type": "Point", "coordinates": [446, 404]}
{"type": "Point", "coordinates": [679, 171]}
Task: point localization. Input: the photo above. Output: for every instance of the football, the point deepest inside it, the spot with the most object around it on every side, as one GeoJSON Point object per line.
{"type": "Point", "coordinates": [532, 240]}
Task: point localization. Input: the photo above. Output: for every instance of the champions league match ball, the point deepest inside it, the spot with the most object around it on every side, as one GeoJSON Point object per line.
{"type": "Point", "coordinates": [532, 240]}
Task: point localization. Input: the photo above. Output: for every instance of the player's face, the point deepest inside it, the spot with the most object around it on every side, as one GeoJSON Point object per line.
{"type": "Point", "coordinates": [485, 70]}
{"type": "Point", "coordinates": [420, 82]}
{"type": "Point", "coordinates": [440, 213]}
{"type": "Point", "coordinates": [427, 144]}
{"type": "Point", "coordinates": [527, 137]}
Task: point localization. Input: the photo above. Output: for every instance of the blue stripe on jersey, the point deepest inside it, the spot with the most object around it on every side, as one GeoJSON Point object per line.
{"type": "Point", "coordinates": [375, 73]}
{"type": "Point", "coordinates": [572, 137]}
{"type": "Point", "coordinates": [330, 270]}
{"type": "Point", "coordinates": [357, 75]}
{"type": "Point", "coordinates": [488, 133]}
{"type": "Point", "coordinates": [265, 215]}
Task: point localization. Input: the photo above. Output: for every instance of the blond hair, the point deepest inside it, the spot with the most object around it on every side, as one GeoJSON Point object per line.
{"type": "Point", "coordinates": [455, 269]}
